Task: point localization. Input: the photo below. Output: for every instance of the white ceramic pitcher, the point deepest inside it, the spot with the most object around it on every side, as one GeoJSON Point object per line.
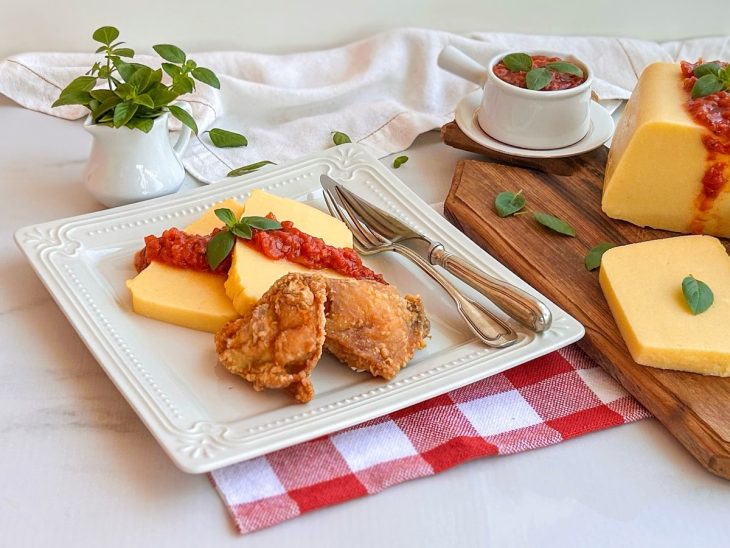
{"type": "Point", "coordinates": [128, 165]}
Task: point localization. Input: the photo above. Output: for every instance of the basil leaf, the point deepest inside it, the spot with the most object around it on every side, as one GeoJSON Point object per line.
{"type": "Point", "coordinates": [538, 78]}
{"type": "Point", "coordinates": [143, 124]}
{"type": "Point", "coordinates": [595, 254]}
{"type": "Point", "coordinates": [226, 139]}
{"type": "Point", "coordinates": [155, 79]}
{"type": "Point", "coordinates": [707, 85]}
{"type": "Point", "coordinates": [140, 78]}
{"type": "Point", "coordinates": [82, 83]}
{"type": "Point", "coordinates": [105, 35]}
{"type": "Point", "coordinates": [509, 203]}
{"type": "Point", "coordinates": [105, 106]}
{"type": "Point", "coordinates": [170, 53]}
{"type": "Point", "coordinates": [518, 62]}
{"type": "Point", "coordinates": [565, 67]}
{"type": "Point", "coordinates": [124, 52]}
{"type": "Point", "coordinates": [183, 84]}
{"type": "Point", "coordinates": [126, 70]}
{"type": "Point", "coordinates": [162, 96]}
{"type": "Point", "coordinates": [206, 76]}
{"type": "Point", "coordinates": [218, 248]}
{"type": "Point", "coordinates": [125, 91]}
{"type": "Point", "coordinates": [399, 161]}
{"type": "Point", "coordinates": [707, 68]}
{"type": "Point", "coordinates": [724, 76]}
{"type": "Point", "coordinates": [249, 168]}
{"type": "Point", "coordinates": [226, 215]}
{"type": "Point", "coordinates": [144, 100]}
{"type": "Point", "coordinates": [184, 117]}
{"type": "Point", "coordinates": [262, 223]}
{"type": "Point", "coordinates": [123, 113]}
{"type": "Point", "coordinates": [553, 223]}
{"type": "Point", "coordinates": [340, 138]}
{"type": "Point", "coordinates": [73, 98]}
{"type": "Point", "coordinates": [698, 294]}
{"type": "Point", "coordinates": [145, 112]}
{"type": "Point", "coordinates": [102, 94]}
{"type": "Point", "coordinates": [242, 230]}
{"type": "Point", "coordinates": [173, 70]}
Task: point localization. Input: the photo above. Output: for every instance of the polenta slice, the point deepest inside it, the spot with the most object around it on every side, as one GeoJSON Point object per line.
{"type": "Point", "coordinates": [252, 273]}
{"type": "Point", "coordinates": [183, 297]}
{"type": "Point", "coordinates": [643, 287]}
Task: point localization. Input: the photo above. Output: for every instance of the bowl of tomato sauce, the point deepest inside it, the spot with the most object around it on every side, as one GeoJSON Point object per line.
{"type": "Point", "coordinates": [536, 100]}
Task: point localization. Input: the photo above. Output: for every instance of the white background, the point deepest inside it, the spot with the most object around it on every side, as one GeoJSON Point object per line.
{"type": "Point", "coordinates": [280, 26]}
{"type": "Point", "coordinates": [77, 468]}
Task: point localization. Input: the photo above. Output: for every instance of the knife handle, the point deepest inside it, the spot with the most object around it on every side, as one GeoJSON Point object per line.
{"type": "Point", "coordinates": [490, 329]}
{"type": "Point", "coordinates": [524, 308]}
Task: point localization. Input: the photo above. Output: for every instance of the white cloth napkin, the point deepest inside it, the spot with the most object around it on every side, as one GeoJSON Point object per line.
{"type": "Point", "coordinates": [382, 91]}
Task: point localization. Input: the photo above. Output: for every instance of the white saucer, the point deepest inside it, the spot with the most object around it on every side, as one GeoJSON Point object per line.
{"type": "Point", "coordinates": [601, 131]}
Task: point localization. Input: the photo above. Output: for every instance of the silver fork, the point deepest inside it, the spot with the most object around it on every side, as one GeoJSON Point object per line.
{"type": "Point", "coordinates": [490, 329]}
{"type": "Point", "coordinates": [516, 303]}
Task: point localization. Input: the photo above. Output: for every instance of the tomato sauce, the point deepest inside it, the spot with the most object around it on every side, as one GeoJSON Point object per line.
{"type": "Point", "coordinates": [298, 247]}
{"type": "Point", "coordinates": [713, 112]}
{"type": "Point", "coordinates": [560, 80]}
{"type": "Point", "coordinates": [180, 249]}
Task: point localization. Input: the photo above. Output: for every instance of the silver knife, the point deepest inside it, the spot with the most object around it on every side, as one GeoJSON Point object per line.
{"type": "Point", "coordinates": [518, 304]}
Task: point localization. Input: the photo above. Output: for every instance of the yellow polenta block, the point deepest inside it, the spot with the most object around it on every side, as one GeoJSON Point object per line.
{"type": "Point", "coordinates": [252, 273]}
{"type": "Point", "coordinates": [643, 286]}
{"type": "Point", "coordinates": [657, 160]}
{"type": "Point", "coordinates": [189, 298]}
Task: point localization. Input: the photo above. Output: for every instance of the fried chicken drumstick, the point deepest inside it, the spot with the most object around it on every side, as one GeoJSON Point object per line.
{"type": "Point", "coordinates": [364, 323]}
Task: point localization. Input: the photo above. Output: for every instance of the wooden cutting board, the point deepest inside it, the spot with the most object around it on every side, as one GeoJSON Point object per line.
{"type": "Point", "coordinates": [694, 408]}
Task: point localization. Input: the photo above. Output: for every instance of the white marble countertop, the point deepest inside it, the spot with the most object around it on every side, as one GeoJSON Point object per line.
{"type": "Point", "coordinates": [77, 468]}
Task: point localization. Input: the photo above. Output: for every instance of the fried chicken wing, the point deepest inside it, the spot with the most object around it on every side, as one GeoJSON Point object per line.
{"type": "Point", "coordinates": [370, 327]}
{"type": "Point", "coordinates": [365, 324]}
{"type": "Point", "coordinates": [280, 341]}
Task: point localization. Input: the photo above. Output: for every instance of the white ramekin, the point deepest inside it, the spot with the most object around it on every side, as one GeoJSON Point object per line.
{"type": "Point", "coordinates": [535, 119]}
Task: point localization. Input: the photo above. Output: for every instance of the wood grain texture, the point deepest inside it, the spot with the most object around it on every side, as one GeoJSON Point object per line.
{"type": "Point", "coordinates": [694, 408]}
{"type": "Point", "coordinates": [453, 136]}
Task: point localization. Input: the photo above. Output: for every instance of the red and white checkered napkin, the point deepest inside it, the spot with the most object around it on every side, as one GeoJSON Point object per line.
{"type": "Point", "coordinates": [545, 401]}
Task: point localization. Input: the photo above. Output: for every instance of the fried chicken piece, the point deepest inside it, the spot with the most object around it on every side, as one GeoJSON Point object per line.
{"type": "Point", "coordinates": [280, 341]}
{"type": "Point", "coordinates": [370, 327]}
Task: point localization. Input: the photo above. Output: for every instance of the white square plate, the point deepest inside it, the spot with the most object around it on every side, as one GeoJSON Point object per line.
{"type": "Point", "coordinates": [206, 418]}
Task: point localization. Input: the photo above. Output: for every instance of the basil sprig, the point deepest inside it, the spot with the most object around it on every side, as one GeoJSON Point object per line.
{"type": "Point", "coordinates": [711, 78]}
{"type": "Point", "coordinates": [538, 78]}
{"type": "Point", "coordinates": [134, 95]}
{"type": "Point", "coordinates": [698, 294]}
{"type": "Point", "coordinates": [221, 245]}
